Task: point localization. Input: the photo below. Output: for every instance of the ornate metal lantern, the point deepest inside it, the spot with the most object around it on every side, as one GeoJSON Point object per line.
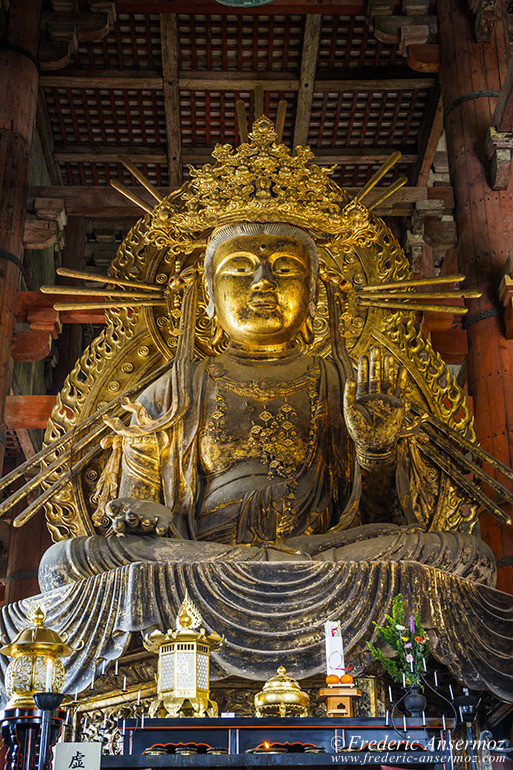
{"type": "Point", "coordinates": [36, 664]}
{"type": "Point", "coordinates": [183, 679]}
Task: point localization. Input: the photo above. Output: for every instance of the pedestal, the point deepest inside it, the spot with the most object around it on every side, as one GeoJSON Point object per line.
{"type": "Point", "coordinates": [21, 729]}
{"type": "Point", "coordinates": [339, 699]}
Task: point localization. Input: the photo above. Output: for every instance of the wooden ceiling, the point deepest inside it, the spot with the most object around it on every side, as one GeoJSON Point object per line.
{"type": "Point", "coordinates": [162, 87]}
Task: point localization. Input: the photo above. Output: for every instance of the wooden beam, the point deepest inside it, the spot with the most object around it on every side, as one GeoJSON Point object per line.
{"type": "Point", "coordinates": [310, 53]}
{"type": "Point", "coordinates": [150, 80]}
{"type": "Point", "coordinates": [199, 155]}
{"type": "Point", "coordinates": [228, 80]}
{"type": "Point", "coordinates": [36, 309]}
{"type": "Point", "coordinates": [25, 412]}
{"type": "Point", "coordinates": [104, 203]}
{"type": "Point", "coordinates": [170, 60]}
{"type": "Point", "coordinates": [431, 140]}
{"type": "Point", "coordinates": [277, 7]}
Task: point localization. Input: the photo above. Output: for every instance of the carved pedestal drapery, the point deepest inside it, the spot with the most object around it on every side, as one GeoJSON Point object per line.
{"type": "Point", "coordinates": [275, 612]}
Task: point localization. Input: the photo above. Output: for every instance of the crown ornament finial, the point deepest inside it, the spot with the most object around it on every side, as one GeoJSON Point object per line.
{"type": "Point", "coordinates": [261, 180]}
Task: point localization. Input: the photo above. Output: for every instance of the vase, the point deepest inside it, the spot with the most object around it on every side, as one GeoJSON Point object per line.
{"type": "Point", "coordinates": [415, 702]}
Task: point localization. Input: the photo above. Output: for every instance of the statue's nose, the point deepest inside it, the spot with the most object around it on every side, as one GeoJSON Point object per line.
{"type": "Point", "coordinates": [263, 278]}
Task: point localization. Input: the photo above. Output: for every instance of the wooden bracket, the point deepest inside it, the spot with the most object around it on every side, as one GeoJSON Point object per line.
{"type": "Point", "coordinates": [498, 146]}
{"type": "Point", "coordinates": [47, 228]}
{"type": "Point", "coordinates": [63, 28]}
{"type": "Point", "coordinates": [484, 12]}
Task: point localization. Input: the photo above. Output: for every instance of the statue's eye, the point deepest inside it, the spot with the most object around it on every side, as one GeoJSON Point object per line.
{"type": "Point", "coordinates": [287, 266]}
{"type": "Point", "coordinates": [239, 265]}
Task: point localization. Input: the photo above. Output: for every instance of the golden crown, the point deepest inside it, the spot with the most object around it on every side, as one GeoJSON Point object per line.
{"type": "Point", "coordinates": [259, 181]}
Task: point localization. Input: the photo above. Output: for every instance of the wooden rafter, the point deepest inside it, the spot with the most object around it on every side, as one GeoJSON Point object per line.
{"type": "Point", "coordinates": [310, 53]}
{"type": "Point", "coordinates": [431, 140]}
{"type": "Point", "coordinates": [104, 203]}
{"type": "Point", "coordinates": [170, 61]}
{"type": "Point", "coordinates": [228, 80]}
{"type": "Point", "coordinates": [200, 155]}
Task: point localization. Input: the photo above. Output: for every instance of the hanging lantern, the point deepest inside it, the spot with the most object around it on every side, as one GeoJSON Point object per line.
{"type": "Point", "coordinates": [36, 664]}
{"type": "Point", "coordinates": [183, 679]}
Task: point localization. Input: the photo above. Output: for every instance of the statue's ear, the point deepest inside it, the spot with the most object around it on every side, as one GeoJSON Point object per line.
{"type": "Point", "coordinates": [307, 331]}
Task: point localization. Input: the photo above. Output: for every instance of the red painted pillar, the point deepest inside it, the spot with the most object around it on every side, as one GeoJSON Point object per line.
{"type": "Point", "coordinates": [469, 72]}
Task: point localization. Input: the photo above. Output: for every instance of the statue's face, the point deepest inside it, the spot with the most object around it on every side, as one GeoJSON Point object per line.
{"type": "Point", "coordinates": [261, 288]}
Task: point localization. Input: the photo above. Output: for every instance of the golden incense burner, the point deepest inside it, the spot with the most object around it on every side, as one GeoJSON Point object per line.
{"type": "Point", "coordinates": [281, 696]}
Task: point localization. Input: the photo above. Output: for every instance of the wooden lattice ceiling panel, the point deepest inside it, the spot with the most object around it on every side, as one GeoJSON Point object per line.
{"type": "Point", "coordinates": [105, 116]}
{"type": "Point", "coordinates": [367, 118]}
{"type": "Point", "coordinates": [208, 117]}
{"type": "Point", "coordinates": [346, 42]}
{"type": "Point", "coordinates": [244, 43]}
{"type": "Point", "coordinates": [365, 101]}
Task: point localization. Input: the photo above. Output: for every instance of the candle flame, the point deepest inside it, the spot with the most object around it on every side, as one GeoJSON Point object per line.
{"type": "Point", "coordinates": [267, 745]}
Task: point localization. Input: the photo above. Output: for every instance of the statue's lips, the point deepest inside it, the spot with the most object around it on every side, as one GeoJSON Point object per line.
{"type": "Point", "coordinates": [267, 301]}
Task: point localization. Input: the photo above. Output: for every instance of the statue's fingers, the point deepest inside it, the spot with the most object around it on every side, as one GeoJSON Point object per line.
{"type": "Point", "coordinates": [401, 383]}
{"type": "Point", "coordinates": [349, 394]}
{"type": "Point", "coordinates": [161, 530]}
{"type": "Point", "coordinates": [118, 525]}
{"type": "Point", "coordinates": [147, 523]}
{"type": "Point", "coordinates": [389, 374]}
{"type": "Point", "coordinates": [375, 370]}
{"type": "Point", "coordinates": [363, 376]}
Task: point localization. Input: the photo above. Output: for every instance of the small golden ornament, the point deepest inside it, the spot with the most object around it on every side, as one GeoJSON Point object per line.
{"type": "Point", "coordinates": [281, 696]}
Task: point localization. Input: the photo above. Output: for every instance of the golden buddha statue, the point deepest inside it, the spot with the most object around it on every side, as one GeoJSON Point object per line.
{"type": "Point", "coordinates": [298, 418]}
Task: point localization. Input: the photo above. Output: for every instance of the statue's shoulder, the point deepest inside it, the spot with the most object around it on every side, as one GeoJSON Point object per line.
{"type": "Point", "coordinates": [158, 396]}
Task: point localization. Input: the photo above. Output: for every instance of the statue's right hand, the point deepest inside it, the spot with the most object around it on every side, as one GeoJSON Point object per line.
{"type": "Point", "coordinates": [140, 517]}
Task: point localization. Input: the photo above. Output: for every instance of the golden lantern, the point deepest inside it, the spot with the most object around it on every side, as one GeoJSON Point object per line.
{"type": "Point", "coordinates": [281, 696]}
{"type": "Point", "coordinates": [183, 679]}
{"type": "Point", "coordinates": [36, 664]}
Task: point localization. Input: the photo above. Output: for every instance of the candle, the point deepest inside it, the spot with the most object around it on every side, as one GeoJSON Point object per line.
{"type": "Point", "coordinates": [390, 694]}
{"type": "Point", "coordinates": [386, 718]}
{"type": "Point", "coordinates": [424, 718]}
{"type": "Point", "coordinates": [67, 719]}
{"type": "Point", "coordinates": [76, 693]}
{"type": "Point", "coordinates": [124, 726]}
{"type": "Point", "coordinates": [142, 721]}
{"type": "Point", "coordinates": [139, 698]}
{"type": "Point", "coordinates": [404, 723]}
{"type": "Point", "coordinates": [443, 720]}
{"type": "Point", "coordinates": [104, 666]}
{"type": "Point", "coordinates": [404, 680]}
{"type": "Point", "coordinates": [49, 674]}
{"type": "Point", "coordinates": [124, 684]}
{"type": "Point", "coordinates": [92, 682]}
{"type": "Point", "coordinates": [436, 679]}
{"type": "Point", "coordinates": [452, 694]}
{"type": "Point", "coordinates": [411, 666]}
{"type": "Point", "coordinates": [425, 664]}
{"type": "Point", "coordinates": [116, 667]}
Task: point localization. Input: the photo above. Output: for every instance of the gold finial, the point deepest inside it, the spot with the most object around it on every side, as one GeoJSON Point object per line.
{"type": "Point", "coordinates": [37, 617]}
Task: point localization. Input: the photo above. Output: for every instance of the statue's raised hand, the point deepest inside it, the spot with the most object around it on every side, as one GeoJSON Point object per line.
{"type": "Point", "coordinates": [140, 517]}
{"type": "Point", "coordinates": [374, 407]}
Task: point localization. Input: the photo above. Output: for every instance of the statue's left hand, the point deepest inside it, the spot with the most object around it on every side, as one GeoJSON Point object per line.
{"type": "Point", "coordinates": [374, 406]}
{"type": "Point", "coordinates": [140, 517]}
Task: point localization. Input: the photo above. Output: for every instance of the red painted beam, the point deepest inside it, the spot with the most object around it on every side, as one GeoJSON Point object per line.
{"type": "Point", "coordinates": [28, 411]}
